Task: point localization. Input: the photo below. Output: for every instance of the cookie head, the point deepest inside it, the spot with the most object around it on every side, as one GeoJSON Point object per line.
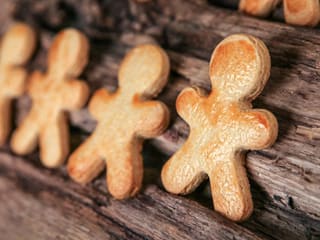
{"type": "Point", "coordinates": [68, 53]}
{"type": "Point", "coordinates": [17, 45]}
{"type": "Point", "coordinates": [144, 70]}
{"type": "Point", "coordinates": [239, 68]}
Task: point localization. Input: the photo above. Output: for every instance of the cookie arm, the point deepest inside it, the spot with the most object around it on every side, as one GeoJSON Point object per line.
{"type": "Point", "coordinates": [188, 102]}
{"type": "Point", "coordinates": [260, 128]}
{"type": "Point", "coordinates": [98, 103]}
{"type": "Point", "coordinates": [153, 118]}
{"type": "Point", "coordinates": [75, 94]}
{"type": "Point", "coordinates": [182, 173]}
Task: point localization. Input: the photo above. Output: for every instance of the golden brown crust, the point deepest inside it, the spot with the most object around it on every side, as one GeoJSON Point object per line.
{"type": "Point", "coordinates": [259, 8]}
{"type": "Point", "coordinates": [52, 94]}
{"type": "Point", "coordinates": [222, 125]}
{"type": "Point", "coordinates": [302, 12]}
{"type": "Point", "coordinates": [16, 48]}
{"type": "Point", "coordinates": [124, 119]}
{"type": "Point", "coordinates": [296, 12]}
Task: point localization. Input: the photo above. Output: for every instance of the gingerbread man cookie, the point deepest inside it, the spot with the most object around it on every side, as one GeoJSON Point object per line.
{"type": "Point", "coordinates": [260, 8]}
{"type": "Point", "coordinates": [52, 95]}
{"type": "Point", "coordinates": [296, 12]}
{"type": "Point", "coordinates": [16, 49]}
{"type": "Point", "coordinates": [302, 12]}
{"type": "Point", "coordinates": [124, 119]}
{"type": "Point", "coordinates": [222, 125]}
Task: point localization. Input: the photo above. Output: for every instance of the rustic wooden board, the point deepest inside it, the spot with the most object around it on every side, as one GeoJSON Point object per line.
{"type": "Point", "coordinates": [48, 204]}
{"type": "Point", "coordinates": [285, 179]}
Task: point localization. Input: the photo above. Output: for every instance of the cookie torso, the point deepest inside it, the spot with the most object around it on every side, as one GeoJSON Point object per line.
{"type": "Point", "coordinates": [107, 130]}
{"type": "Point", "coordinates": [222, 126]}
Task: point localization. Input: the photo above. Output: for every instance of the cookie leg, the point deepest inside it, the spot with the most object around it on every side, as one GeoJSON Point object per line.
{"type": "Point", "coordinates": [302, 12]}
{"type": "Point", "coordinates": [4, 120]}
{"type": "Point", "coordinates": [181, 175]}
{"type": "Point", "coordinates": [230, 189]}
{"type": "Point", "coordinates": [54, 142]}
{"type": "Point", "coordinates": [125, 171]}
{"type": "Point", "coordinates": [85, 163]}
{"type": "Point", "coordinates": [24, 139]}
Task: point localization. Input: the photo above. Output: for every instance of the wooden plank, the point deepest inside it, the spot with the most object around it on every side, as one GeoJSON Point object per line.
{"type": "Point", "coordinates": [271, 211]}
{"type": "Point", "coordinates": [281, 171]}
{"type": "Point", "coordinates": [285, 178]}
{"type": "Point", "coordinates": [47, 205]}
{"type": "Point", "coordinates": [45, 216]}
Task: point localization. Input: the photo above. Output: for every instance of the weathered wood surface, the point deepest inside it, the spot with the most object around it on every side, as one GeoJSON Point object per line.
{"type": "Point", "coordinates": [285, 179]}
{"type": "Point", "coordinates": [49, 205]}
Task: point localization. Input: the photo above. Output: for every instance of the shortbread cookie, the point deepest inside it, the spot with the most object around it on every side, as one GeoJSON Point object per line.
{"type": "Point", "coordinates": [124, 119]}
{"type": "Point", "coordinates": [16, 48]}
{"type": "Point", "coordinates": [222, 125]}
{"type": "Point", "coordinates": [52, 95]}
{"type": "Point", "coordinates": [302, 12]}
{"type": "Point", "coordinates": [260, 8]}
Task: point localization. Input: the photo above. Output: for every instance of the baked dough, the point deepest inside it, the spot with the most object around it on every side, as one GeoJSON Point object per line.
{"type": "Point", "coordinates": [52, 95]}
{"type": "Point", "coordinates": [296, 12]}
{"type": "Point", "coordinates": [259, 8]}
{"type": "Point", "coordinates": [124, 119]}
{"type": "Point", "coordinates": [302, 12]}
{"type": "Point", "coordinates": [222, 125]}
{"type": "Point", "coordinates": [16, 48]}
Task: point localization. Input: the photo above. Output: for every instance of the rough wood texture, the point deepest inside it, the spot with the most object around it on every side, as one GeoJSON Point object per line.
{"type": "Point", "coordinates": [285, 179]}
{"type": "Point", "coordinates": [48, 204]}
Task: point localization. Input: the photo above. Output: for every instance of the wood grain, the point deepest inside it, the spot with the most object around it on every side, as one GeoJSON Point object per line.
{"type": "Point", "coordinates": [285, 179]}
{"type": "Point", "coordinates": [50, 206]}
